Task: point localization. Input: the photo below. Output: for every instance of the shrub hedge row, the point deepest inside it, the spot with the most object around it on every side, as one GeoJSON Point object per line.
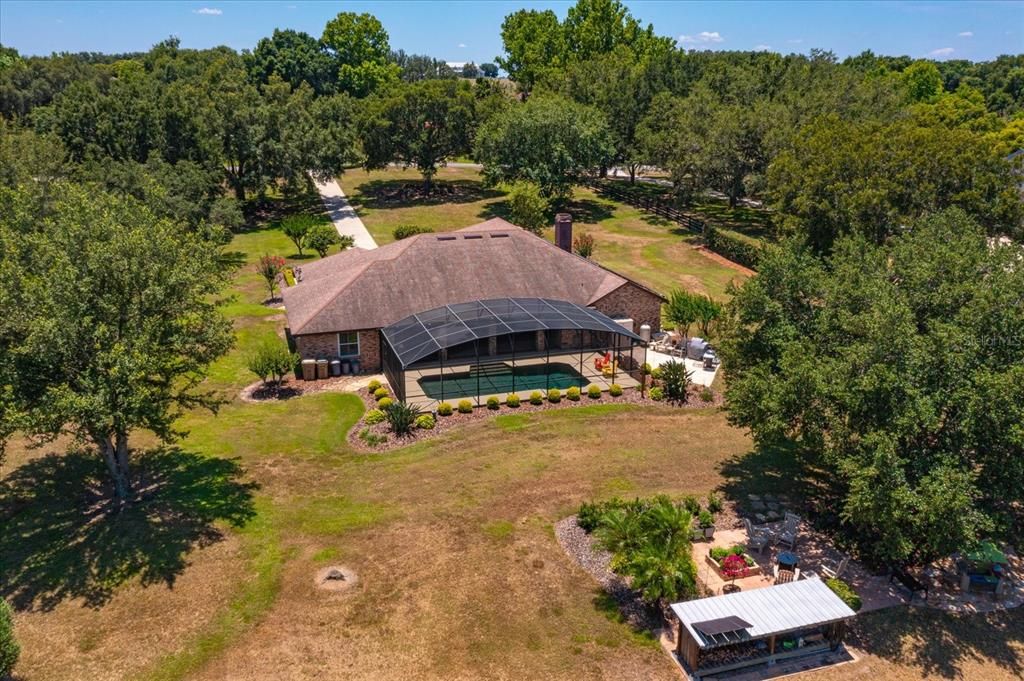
{"type": "Point", "coordinates": [733, 245]}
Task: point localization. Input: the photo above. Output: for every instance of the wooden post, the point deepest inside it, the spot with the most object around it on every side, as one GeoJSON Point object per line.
{"type": "Point", "coordinates": [679, 639]}
{"type": "Point", "coordinates": [771, 645]}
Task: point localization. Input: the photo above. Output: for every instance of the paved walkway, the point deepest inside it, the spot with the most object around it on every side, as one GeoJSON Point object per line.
{"type": "Point", "coordinates": [343, 215]}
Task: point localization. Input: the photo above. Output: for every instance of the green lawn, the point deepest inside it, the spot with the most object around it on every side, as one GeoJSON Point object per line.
{"type": "Point", "coordinates": [645, 247]}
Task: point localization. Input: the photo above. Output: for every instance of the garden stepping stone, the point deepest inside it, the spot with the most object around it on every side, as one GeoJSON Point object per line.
{"type": "Point", "coordinates": [761, 518]}
{"type": "Point", "coordinates": [757, 505]}
{"type": "Point", "coordinates": [772, 506]}
{"type": "Point", "coordinates": [754, 497]}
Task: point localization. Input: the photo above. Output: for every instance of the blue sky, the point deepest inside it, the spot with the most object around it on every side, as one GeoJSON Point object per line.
{"type": "Point", "coordinates": [464, 31]}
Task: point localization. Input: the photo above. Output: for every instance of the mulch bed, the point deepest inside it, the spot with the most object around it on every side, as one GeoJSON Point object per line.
{"type": "Point", "coordinates": [581, 547]}
{"type": "Point", "coordinates": [290, 388]}
{"type": "Point", "coordinates": [446, 423]}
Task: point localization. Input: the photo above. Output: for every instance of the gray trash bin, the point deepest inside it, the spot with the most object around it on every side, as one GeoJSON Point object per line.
{"type": "Point", "coordinates": [335, 367]}
{"type": "Point", "coordinates": [308, 369]}
{"type": "Point", "coordinates": [321, 368]}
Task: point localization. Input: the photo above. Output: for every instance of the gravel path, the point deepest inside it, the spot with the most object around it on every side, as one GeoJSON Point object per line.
{"type": "Point", "coordinates": [581, 547]}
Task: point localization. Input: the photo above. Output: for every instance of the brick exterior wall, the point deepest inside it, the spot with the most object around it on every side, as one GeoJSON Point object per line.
{"type": "Point", "coordinates": [640, 305]}
{"type": "Point", "coordinates": [325, 346]}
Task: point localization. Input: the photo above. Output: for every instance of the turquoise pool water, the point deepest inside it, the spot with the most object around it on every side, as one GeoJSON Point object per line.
{"type": "Point", "coordinates": [527, 378]}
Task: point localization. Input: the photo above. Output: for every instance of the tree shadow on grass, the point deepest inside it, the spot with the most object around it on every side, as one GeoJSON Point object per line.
{"type": "Point", "coordinates": [939, 643]}
{"type": "Point", "coordinates": [588, 210]}
{"type": "Point", "coordinates": [781, 470]}
{"type": "Point", "coordinates": [386, 194]}
{"type": "Point", "coordinates": [63, 537]}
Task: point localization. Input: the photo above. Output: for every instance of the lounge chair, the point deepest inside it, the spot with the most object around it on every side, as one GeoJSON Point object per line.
{"type": "Point", "coordinates": [838, 571]}
{"type": "Point", "coordinates": [757, 537]}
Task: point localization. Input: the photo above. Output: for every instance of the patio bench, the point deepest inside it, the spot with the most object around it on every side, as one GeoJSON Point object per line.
{"type": "Point", "coordinates": [910, 582]}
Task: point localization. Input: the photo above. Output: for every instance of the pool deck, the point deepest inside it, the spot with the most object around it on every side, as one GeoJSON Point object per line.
{"type": "Point", "coordinates": [414, 391]}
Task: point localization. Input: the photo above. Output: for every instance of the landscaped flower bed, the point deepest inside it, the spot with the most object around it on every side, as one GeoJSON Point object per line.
{"type": "Point", "coordinates": [718, 554]}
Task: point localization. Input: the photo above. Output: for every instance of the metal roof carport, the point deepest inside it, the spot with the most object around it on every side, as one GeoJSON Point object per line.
{"type": "Point", "coordinates": [770, 612]}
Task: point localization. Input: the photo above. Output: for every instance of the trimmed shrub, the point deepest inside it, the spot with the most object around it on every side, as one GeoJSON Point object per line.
{"type": "Point", "coordinates": [657, 394]}
{"type": "Point", "coordinates": [374, 416]}
{"type": "Point", "coordinates": [615, 390]}
{"type": "Point", "coordinates": [733, 245]}
{"type": "Point", "coordinates": [691, 504]}
{"type": "Point", "coordinates": [536, 397]}
{"type": "Point", "coordinates": [272, 359]}
{"type": "Point", "coordinates": [465, 407]}
{"type": "Point", "coordinates": [715, 503]}
{"type": "Point", "coordinates": [594, 392]}
{"type": "Point", "coordinates": [9, 648]}
{"type": "Point", "coordinates": [380, 393]}
{"type": "Point", "coordinates": [493, 402]}
{"type": "Point", "coordinates": [646, 369]}
{"type": "Point", "coordinates": [444, 409]}
{"type": "Point", "coordinates": [705, 519]}
{"type": "Point", "coordinates": [656, 373]}
{"type": "Point", "coordinates": [512, 400]}
{"type": "Point", "coordinates": [554, 396]}
{"type": "Point", "coordinates": [573, 394]}
{"type": "Point", "coordinates": [373, 386]}
{"type": "Point", "coordinates": [707, 395]}
{"type": "Point", "coordinates": [406, 231]}
{"type": "Point", "coordinates": [845, 593]}
{"type": "Point", "coordinates": [589, 516]}
{"type": "Point", "coordinates": [384, 402]}
{"type": "Point", "coordinates": [425, 422]}
{"type": "Point", "coordinates": [401, 417]}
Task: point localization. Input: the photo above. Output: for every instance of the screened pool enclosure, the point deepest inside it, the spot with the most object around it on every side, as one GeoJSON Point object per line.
{"type": "Point", "coordinates": [507, 345]}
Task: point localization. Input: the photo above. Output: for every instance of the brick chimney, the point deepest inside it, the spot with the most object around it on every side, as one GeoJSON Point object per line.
{"type": "Point", "coordinates": [563, 231]}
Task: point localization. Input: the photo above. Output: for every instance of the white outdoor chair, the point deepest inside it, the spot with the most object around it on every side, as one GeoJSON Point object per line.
{"type": "Point", "coordinates": [757, 537]}
{"type": "Point", "coordinates": [838, 571]}
{"type": "Point", "coordinates": [790, 531]}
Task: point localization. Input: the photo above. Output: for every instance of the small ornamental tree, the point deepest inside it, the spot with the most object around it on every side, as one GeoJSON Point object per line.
{"type": "Point", "coordinates": [681, 310]}
{"type": "Point", "coordinates": [733, 566]}
{"type": "Point", "coordinates": [322, 237]}
{"type": "Point", "coordinates": [9, 648]}
{"type": "Point", "coordinates": [270, 267]}
{"type": "Point", "coordinates": [297, 228]}
{"type": "Point", "coordinates": [528, 208]}
{"type": "Point", "coordinates": [584, 245]}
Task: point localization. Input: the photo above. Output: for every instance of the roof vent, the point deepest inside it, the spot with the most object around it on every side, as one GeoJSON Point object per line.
{"type": "Point", "coordinates": [501, 235]}
{"type": "Point", "coordinates": [473, 236]}
{"type": "Point", "coordinates": [446, 238]}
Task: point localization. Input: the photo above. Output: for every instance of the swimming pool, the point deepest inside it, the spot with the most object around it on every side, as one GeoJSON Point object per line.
{"type": "Point", "coordinates": [527, 378]}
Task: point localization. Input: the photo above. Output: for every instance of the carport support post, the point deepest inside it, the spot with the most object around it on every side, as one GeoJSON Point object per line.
{"type": "Point", "coordinates": [679, 640]}
{"type": "Point", "coordinates": [643, 375]}
{"type": "Point", "coordinates": [512, 342]}
{"type": "Point", "coordinates": [583, 378]}
{"type": "Point", "coordinates": [547, 363]}
{"type": "Point", "coordinates": [440, 354]}
{"type": "Point", "coordinates": [476, 354]}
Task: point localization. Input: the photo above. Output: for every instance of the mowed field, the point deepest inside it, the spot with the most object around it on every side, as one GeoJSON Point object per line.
{"type": "Point", "coordinates": [645, 247]}
{"type": "Point", "coordinates": [211, 575]}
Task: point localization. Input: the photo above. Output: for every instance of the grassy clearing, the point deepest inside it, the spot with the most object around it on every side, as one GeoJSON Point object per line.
{"type": "Point", "coordinates": [460, 574]}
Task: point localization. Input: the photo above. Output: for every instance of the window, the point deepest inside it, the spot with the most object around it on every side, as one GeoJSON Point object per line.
{"type": "Point", "coordinates": [348, 344]}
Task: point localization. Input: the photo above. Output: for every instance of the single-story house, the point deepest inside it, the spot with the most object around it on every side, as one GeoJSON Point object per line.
{"type": "Point", "coordinates": [342, 307]}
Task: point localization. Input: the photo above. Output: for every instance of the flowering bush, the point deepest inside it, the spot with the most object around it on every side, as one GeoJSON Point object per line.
{"type": "Point", "coordinates": [269, 267]}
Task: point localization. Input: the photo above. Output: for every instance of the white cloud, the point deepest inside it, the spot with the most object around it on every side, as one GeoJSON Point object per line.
{"type": "Point", "coordinates": [966, 34]}
{"type": "Point", "coordinates": [208, 11]}
{"type": "Point", "coordinates": [704, 37]}
{"type": "Point", "coordinates": [462, 44]}
{"type": "Point", "coordinates": [941, 52]}
{"type": "Point", "coordinates": [762, 48]}
{"type": "Point", "coordinates": [456, 64]}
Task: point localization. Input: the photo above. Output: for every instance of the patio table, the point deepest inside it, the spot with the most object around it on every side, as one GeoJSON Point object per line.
{"type": "Point", "coordinates": [787, 560]}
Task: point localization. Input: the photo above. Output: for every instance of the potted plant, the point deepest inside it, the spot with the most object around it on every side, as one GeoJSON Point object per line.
{"type": "Point", "coordinates": [733, 566]}
{"type": "Point", "coordinates": [706, 522]}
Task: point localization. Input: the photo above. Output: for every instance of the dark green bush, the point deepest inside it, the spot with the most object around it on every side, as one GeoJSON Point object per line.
{"type": "Point", "coordinates": [707, 395]}
{"type": "Point", "coordinates": [705, 519]}
{"type": "Point", "coordinates": [406, 231]}
{"type": "Point", "coordinates": [594, 392]}
{"type": "Point", "coordinates": [465, 407]}
{"type": "Point", "coordinates": [512, 400]}
{"type": "Point", "coordinates": [714, 503]}
{"type": "Point", "coordinates": [674, 379]}
{"type": "Point", "coordinates": [536, 398]}
{"type": "Point", "coordinates": [573, 394]}
{"type": "Point", "coordinates": [444, 409]}
{"type": "Point", "coordinates": [554, 396]}
{"type": "Point", "coordinates": [737, 247]}
{"type": "Point", "coordinates": [845, 592]}
{"type": "Point", "coordinates": [615, 390]}
{"type": "Point", "coordinates": [589, 516]}
{"type": "Point", "coordinates": [493, 402]}
{"type": "Point", "coordinates": [401, 417]}
{"type": "Point", "coordinates": [9, 648]}
{"type": "Point", "coordinates": [691, 504]}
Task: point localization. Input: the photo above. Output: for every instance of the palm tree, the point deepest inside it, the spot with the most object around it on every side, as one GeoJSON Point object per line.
{"type": "Point", "coordinates": [620, 531]}
{"type": "Point", "coordinates": [662, 572]}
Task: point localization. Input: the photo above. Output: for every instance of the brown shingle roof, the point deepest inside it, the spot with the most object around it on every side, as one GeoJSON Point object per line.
{"type": "Point", "coordinates": [361, 289]}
